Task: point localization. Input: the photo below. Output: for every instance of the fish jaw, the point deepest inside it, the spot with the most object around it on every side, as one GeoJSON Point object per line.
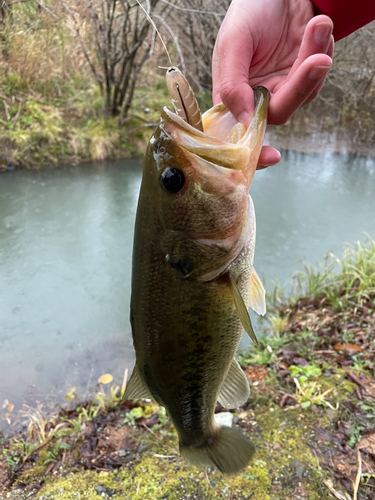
{"type": "Point", "coordinates": [224, 141]}
{"type": "Point", "coordinates": [203, 226]}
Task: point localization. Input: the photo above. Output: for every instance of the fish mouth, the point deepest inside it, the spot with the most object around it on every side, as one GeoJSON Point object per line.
{"type": "Point", "coordinates": [224, 141]}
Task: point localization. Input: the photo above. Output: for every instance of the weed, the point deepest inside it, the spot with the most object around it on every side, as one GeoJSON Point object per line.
{"type": "Point", "coordinates": [355, 434]}
{"type": "Point", "coordinates": [142, 411]}
{"type": "Point", "coordinates": [305, 372]}
{"type": "Point", "coordinates": [266, 351]}
{"type": "Point", "coordinates": [344, 282]}
{"type": "Point", "coordinates": [311, 394]}
{"type": "Point", "coordinates": [12, 458]}
{"type": "Point", "coordinates": [53, 451]}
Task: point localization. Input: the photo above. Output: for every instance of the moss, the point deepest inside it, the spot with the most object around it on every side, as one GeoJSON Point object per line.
{"type": "Point", "coordinates": [279, 437]}
{"type": "Point", "coordinates": [282, 436]}
{"type": "Point", "coordinates": [31, 476]}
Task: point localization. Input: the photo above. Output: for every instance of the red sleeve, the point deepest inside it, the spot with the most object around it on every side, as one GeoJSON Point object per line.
{"type": "Point", "coordinates": [347, 15]}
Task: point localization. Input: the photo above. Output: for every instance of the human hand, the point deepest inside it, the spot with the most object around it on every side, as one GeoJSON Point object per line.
{"type": "Point", "coordinates": [275, 43]}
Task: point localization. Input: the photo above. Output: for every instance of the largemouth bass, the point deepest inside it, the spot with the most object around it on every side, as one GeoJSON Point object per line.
{"type": "Point", "coordinates": [193, 277]}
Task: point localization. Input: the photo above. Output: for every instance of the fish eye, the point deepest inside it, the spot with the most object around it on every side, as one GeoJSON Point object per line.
{"type": "Point", "coordinates": [173, 180]}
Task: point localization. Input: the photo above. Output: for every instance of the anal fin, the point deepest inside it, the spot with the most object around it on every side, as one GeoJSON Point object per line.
{"type": "Point", "coordinates": [242, 310]}
{"type": "Point", "coordinates": [257, 294]}
{"type": "Point", "coordinates": [137, 388]}
{"type": "Point", "coordinates": [235, 389]}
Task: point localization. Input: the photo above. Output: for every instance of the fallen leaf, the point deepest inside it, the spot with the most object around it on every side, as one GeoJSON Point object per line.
{"type": "Point", "coordinates": [368, 442]}
{"type": "Point", "coordinates": [256, 374]}
{"type": "Point", "coordinates": [106, 378]}
{"type": "Point", "coordinates": [347, 347]}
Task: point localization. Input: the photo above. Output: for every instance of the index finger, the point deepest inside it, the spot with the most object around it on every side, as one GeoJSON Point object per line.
{"type": "Point", "coordinates": [230, 71]}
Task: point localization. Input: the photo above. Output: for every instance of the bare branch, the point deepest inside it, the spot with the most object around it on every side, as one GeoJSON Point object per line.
{"type": "Point", "coordinates": [195, 11]}
{"type": "Point", "coordinates": [41, 4]}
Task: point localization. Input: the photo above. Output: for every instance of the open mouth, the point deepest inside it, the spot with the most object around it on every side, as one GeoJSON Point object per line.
{"type": "Point", "coordinates": [223, 141]}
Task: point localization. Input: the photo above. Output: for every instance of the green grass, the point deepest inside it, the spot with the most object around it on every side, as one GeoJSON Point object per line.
{"type": "Point", "coordinates": [338, 283]}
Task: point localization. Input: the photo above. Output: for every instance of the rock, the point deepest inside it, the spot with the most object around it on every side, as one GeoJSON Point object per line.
{"type": "Point", "coordinates": [298, 469]}
{"type": "Point", "coordinates": [224, 418]}
{"type": "Point", "coordinates": [141, 448]}
{"type": "Point", "coordinates": [103, 491]}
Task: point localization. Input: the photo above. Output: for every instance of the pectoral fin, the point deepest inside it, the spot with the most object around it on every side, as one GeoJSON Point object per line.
{"type": "Point", "coordinates": [235, 389]}
{"type": "Point", "coordinates": [257, 295]}
{"type": "Point", "coordinates": [137, 388]}
{"type": "Point", "coordinates": [242, 310]}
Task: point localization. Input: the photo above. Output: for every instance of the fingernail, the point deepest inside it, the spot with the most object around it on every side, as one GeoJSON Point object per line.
{"type": "Point", "coordinates": [322, 33]}
{"type": "Point", "coordinates": [244, 118]}
{"type": "Point", "coordinates": [318, 72]}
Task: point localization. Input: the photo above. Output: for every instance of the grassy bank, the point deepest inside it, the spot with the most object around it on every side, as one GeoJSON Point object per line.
{"type": "Point", "coordinates": [311, 413]}
{"type": "Point", "coordinates": [62, 122]}
{"type": "Point", "coordinates": [39, 129]}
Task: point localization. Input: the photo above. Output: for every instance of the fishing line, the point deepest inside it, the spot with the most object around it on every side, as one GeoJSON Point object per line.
{"type": "Point", "coordinates": [157, 32]}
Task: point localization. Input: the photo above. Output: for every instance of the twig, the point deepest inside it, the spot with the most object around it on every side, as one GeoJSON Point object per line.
{"type": "Point", "coordinates": [356, 380]}
{"type": "Point", "coordinates": [15, 118]}
{"type": "Point", "coordinates": [139, 484]}
{"type": "Point", "coordinates": [6, 110]}
{"type": "Point", "coordinates": [284, 398]}
{"type": "Point", "coordinates": [335, 493]}
{"type": "Point", "coordinates": [163, 456]}
{"type": "Point", "coordinates": [324, 351]}
{"type": "Point", "coordinates": [38, 447]}
{"type": "Point", "coordinates": [138, 118]}
{"type": "Point", "coordinates": [358, 477]}
{"type": "Point", "coordinates": [151, 124]}
{"type": "Point", "coordinates": [196, 11]}
{"type": "Point", "coordinates": [358, 391]}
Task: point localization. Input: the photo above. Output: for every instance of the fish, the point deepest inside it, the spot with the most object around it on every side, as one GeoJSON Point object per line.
{"type": "Point", "coordinates": [192, 272]}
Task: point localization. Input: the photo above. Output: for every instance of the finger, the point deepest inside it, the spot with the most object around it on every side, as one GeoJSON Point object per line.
{"type": "Point", "coordinates": [316, 40]}
{"type": "Point", "coordinates": [216, 73]}
{"type": "Point", "coordinates": [233, 57]}
{"type": "Point", "coordinates": [298, 88]}
{"type": "Point", "coordinates": [331, 47]}
{"type": "Point", "coordinates": [268, 156]}
{"type": "Point", "coordinates": [323, 79]}
{"type": "Point", "coordinates": [316, 91]}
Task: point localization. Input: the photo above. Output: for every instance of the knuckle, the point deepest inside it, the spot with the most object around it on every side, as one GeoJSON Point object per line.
{"type": "Point", "coordinates": [229, 92]}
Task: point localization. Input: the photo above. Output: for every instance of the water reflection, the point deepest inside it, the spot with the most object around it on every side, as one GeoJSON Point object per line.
{"type": "Point", "coordinates": [65, 257]}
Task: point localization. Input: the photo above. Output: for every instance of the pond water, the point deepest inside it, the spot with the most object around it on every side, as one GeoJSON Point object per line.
{"type": "Point", "coordinates": [65, 259]}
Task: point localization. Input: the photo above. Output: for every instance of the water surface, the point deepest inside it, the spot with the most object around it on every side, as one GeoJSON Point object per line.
{"type": "Point", "coordinates": [65, 258]}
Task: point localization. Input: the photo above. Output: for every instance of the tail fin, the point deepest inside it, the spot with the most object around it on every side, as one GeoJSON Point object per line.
{"type": "Point", "coordinates": [229, 451]}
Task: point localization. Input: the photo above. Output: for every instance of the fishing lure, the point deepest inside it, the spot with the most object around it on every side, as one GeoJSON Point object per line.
{"type": "Point", "coordinates": [183, 98]}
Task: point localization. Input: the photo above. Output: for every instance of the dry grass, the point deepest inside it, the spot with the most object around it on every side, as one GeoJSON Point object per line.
{"type": "Point", "coordinates": [39, 48]}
